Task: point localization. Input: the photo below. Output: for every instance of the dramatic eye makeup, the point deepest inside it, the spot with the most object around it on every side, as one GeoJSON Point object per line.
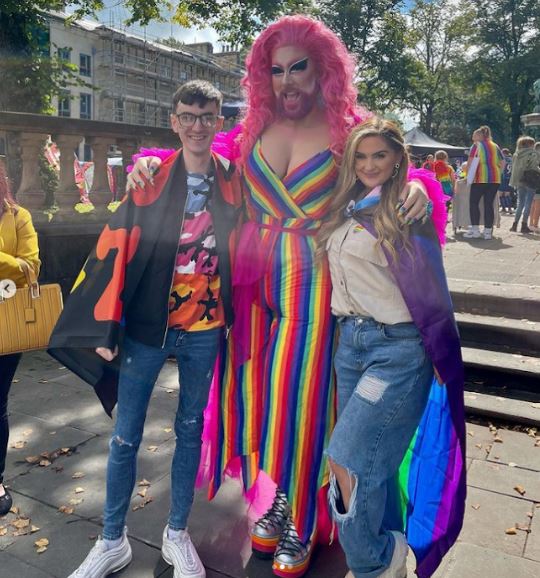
{"type": "Point", "coordinates": [299, 66]}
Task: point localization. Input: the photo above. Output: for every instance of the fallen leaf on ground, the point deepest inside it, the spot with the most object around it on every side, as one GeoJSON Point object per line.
{"type": "Point", "coordinates": [15, 381]}
{"type": "Point", "coordinates": [475, 506]}
{"type": "Point", "coordinates": [512, 464]}
{"type": "Point", "coordinates": [43, 381]}
{"type": "Point", "coordinates": [535, 405]}
{"type": "Point", "coordinates": [45, 463]}
{"type": "Point", "coordinates": [142, 492]}
{"type": "Point", "coordinates": [167, 429]}
{"type": "Point", "coordinates": [523, 528]}
{"type": "Point", "coordinates": [3, 530]}
{"type": "Point", "coordinates": [537, 443]}
{"type": "Point", "coordinates": [520, 490]}
{"type": "Point", "coordinates": [152, 448]}
{"type": "Point", "coordinates": [27, 432]}
{"type": "Point", "coordinates": [470, 433]}
{"type": "Point", "coordinates": [529, 514]}
{"type": "Point", "coordinates": [14, 510]}
{"type": "Point", "coordinates": [34, 529]}
{"type": "Point", "coordinates": [76, 501]}
{"type": "Point", "coordinates": [78, 475]}
{"type": "Point", "coordinates": [144, 482]}
{"type": "Point", "coordinates": [142, 504]}
{"type": "Point", "coordinates": [169, 390]}
{"type": "Point", "coordinates": [66, 510]}
{"type": "Point", "coordinates": [21, 532]}
{"type": "Point", "coordinates": [41, 544]}
{"type": "Point", "coordinates": [79, 490]}
{"type": "Point", "coordinates": [510, 531]}
{"type": "Point", "coordinates": [20, 523]}
{"type": "Point", "coordinates": [32, 459]}
{"type": "Point", "coordinates": [18, 445]}
{"type": "Point", "coordinates": [479, 446]}
{"type": "Point", "coordinates": [92, 536]}
{"type": "Point", "coordinates": [498, 440]}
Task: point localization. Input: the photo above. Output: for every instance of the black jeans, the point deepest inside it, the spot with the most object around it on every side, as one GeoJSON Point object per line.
{"type": "Point", "coordinates": [8, 366]}
{"type": "Point", "coordinates": [488, 191]}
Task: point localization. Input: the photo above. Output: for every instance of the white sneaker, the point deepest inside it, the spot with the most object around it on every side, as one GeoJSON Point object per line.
{"type": "Point", "coordinates": [102, 561]}
{"type": "Point", "coordinates": [487, 234]}
{"type": "Point", "coordinates": [472, 233]}
{"type": "Point", "coordinates": [181, 554]}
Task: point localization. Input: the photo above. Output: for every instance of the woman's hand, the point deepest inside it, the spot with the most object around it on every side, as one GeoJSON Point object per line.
{"type": "Point", "coordinates": [413, 202]}
{"type": "Point", "coordinates": [107, 354]}
{"type": "Point", "coordinates": [144, 169]}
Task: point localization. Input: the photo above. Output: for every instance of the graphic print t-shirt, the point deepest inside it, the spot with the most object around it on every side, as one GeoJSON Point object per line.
{"type": "Point", "coordinates": [194, 303]}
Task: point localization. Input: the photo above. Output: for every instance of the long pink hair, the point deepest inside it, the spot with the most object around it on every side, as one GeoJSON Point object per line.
{"type": "Point", "coordinates": [336, 72]}
{"type": "Point", "coordinates": [5, 191]}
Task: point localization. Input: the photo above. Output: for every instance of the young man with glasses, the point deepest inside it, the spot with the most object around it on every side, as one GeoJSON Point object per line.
{"type": "Point", "coordinates": [157, 285]}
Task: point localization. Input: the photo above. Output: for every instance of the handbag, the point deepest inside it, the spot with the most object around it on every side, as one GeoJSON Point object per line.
{"type": "Point", "coordinates": [29, 316]}
{"type": "Point", "coordinates": [531, 179]}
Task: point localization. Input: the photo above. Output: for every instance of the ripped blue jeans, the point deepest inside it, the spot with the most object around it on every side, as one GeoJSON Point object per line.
{"type": "Point", "coordinates": [383, 382]}
{"type": "Point", "coordinates": [195, 353]}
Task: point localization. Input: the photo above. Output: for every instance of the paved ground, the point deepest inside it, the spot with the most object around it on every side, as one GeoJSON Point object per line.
{"type": "Point", "coordinates": [507, 258]}
{"type": "Point", "coordinates": [57, 418]}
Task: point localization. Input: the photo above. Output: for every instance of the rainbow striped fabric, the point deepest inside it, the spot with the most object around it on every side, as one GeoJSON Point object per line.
{"type": "Point", "coordinates": [489, 158]}
{"type": "Point", "coordinates": [277, 408]}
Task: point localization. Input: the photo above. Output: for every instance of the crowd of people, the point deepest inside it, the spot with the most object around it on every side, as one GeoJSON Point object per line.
{"type": "Point", "coordinates": [493, 173]}
{"type": "Point", "coordinates": [279, 265]}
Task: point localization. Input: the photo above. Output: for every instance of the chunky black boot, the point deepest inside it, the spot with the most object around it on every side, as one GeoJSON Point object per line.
{"type": "Point", "coordinates": [525, 228]}
{"type": "Point", "coordinates": [514, 226]}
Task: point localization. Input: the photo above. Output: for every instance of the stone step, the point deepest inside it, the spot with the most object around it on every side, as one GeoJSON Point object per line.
{"type": "Point", "coordinates": [503, 408]}
{"type": "Point", "coordinates": [496, 299]}
{"type": "Point", "coordinates": [518, 336]}
{"type": "Point", "coordinates": [526, 366]}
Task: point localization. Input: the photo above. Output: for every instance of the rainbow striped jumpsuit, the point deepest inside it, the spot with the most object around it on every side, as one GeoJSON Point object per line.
{"type": "Point", "coordinates": [277, 407]}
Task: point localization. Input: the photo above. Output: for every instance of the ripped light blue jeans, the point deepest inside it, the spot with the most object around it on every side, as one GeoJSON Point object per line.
{"type": "Point", "coordinates": [195, 353]}
{"type": "Point", "coordinates": [383, 381]}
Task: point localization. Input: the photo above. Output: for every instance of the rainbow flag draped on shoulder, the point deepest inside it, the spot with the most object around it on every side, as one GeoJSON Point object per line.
{"type": "Point", "coordinates": [432, 475]}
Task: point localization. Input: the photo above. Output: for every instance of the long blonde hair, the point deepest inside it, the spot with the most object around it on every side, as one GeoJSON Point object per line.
{"type": "Point", "coordinates": [390, 229]}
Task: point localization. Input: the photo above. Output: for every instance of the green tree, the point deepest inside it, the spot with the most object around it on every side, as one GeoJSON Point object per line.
{"type": "Point", "coordinates": [375, 32]}
{"type": "Point", "coordinates": [508, 59]}
{"type": "Point", "coordinates": [438, 37]}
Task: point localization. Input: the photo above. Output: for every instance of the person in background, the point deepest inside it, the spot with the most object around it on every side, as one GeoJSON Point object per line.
{"type": "Point", "coordinates": [428, 163]}
{"type": "Point", "coordinates": [445, 174]}
{"type": "Point", "coordinates": [535, 209]}
{"type": "Point", "coordinates": [18, 241]}
{"type": "Point", "coordinates": [525, 158]}
{"type": "Point", "coordinates": [506, 196]}
{"type": "Point", "coordinates": [486, 159]}
{"type": "Point", "coordinates": [398, 345]}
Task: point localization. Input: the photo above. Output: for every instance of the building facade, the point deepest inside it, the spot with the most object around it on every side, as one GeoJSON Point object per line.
{"type": "Point", "coordinates": [130, 79]}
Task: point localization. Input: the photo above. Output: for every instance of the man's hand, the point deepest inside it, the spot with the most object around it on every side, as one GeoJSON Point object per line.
{"type": "Point", "coordinates": [413, 202]}
{"type": "Point", "coordinates": [143, 170]}
{"type": "Point", "coordinates": [107, 354]}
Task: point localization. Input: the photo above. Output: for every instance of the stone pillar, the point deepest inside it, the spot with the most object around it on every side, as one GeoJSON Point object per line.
{"type": "Point", "coordinates": [68, 194]}
{"type": "Point", "coordinates": [30, 193]}
{"type": "Point", "coordinates": [100, 193]}
{"type": "Point", "coordinates": [128, 147]}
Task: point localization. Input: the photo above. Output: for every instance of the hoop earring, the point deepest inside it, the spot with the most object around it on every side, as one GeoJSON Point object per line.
{"type": "Point", "coordinates": [395, 171]}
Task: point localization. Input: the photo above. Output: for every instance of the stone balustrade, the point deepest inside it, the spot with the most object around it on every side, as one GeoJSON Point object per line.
{"type": "Point", "coordinates": [30, 132]}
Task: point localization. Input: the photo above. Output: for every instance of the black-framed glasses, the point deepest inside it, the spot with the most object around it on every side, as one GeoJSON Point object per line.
{"type": "Point", "coordinates": [188, 119]}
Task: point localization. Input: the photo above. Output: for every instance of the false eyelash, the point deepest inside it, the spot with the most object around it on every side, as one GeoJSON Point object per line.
{"type": "Point", "coordinates": [299, 66]}
{"type": "Point", "coordinates": [277, 70]}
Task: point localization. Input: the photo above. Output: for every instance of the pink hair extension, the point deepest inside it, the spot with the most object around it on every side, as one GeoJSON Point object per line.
{"type": "Point", "coordinates": [336, 72]}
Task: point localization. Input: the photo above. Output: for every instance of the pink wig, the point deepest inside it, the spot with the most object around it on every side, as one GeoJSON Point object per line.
{"type": "Point", "coordinates": [335, 68]}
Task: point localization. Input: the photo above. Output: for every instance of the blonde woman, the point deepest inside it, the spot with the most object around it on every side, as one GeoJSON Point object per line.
{"type": "Point", "coordinates": [486, 159]}
{"type": "Point", "coordinates": [397, 361]}
{"type": "Point", "coordinates": [18, 240]}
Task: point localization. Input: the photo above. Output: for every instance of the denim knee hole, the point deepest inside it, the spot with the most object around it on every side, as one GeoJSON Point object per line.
{"type": "Point", "coordinates": [189, 431]}
{"type": "Point", "coordinates": [371, 388]}
{"type": "Point", "coordinates": [335, 500]}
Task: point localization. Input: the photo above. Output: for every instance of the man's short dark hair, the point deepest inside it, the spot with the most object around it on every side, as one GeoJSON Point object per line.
{"type": "Point", "coordinates": [197, 92]}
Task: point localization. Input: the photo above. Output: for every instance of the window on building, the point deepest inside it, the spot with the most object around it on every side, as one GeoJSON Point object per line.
{"type": "Point", "coordinates": [86, 106]}
{"type": "Point", "coordinates": [64, 54]}
{"type": "Point", "coordinates": [183, 75]}
{"type": "Point", "coordinates": [164, 113]}
{"type": "Point", "coordinates": [119, 110]}
{"type": "Point", "coordinates": [87, 153]}
{"type": "Point", "coordinates": [64, 103]}
{"type": "Point", "coordinates": [85, 65]}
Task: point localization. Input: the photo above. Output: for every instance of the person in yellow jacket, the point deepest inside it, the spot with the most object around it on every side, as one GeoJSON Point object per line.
{"type": "Point", "coordinates": [18, 240]}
